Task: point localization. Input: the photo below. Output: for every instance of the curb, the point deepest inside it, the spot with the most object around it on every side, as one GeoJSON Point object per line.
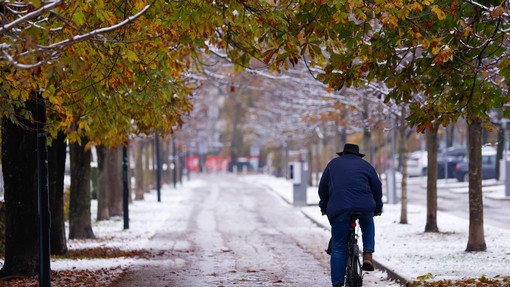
{"type": "Point", "coordinates": [492, 197]}
{"type": "Point", "coordinates": [391, 273]}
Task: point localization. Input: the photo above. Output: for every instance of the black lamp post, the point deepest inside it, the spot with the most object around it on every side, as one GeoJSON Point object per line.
{"type": "Point", "coordinates": [43, 193]}
{"type": "Point", "coordinates": [125, 181]}
{"type": "Point", "coordinates": [158, 169]}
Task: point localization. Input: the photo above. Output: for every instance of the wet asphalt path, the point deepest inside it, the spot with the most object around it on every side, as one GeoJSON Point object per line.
{"type": "Point", "coordinates": [224, 232]}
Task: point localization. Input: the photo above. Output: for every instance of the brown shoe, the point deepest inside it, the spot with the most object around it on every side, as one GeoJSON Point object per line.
{"type": "Point", "coordinates": [368, 265]}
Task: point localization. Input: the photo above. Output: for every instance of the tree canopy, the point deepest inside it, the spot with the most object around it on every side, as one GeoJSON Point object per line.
{"type": "Point", "coordinates": [110, 68]}
{"type": "Point", "coordinates": [103, 74]}
{"type": "Point", "coordinates": [445, 59]}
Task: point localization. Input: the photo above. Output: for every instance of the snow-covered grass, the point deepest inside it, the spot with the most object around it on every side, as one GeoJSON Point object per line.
{"type": "Point", "coordinates": [146, 217]}
{"type": "Point", "coordinates": [413, 254]}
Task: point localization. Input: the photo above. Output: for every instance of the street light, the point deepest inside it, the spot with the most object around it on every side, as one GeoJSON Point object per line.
{"type": "Point", "coordinates": [43, 194]}
{"type": "Point", "coordinates": [158, 169]}
{"type": "Point", "coordinates": [174, 165]}
{"type": "Point", "coordinates": [125, 180]}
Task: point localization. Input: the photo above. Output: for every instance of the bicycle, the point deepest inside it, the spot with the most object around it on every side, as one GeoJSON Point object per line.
{"type": "Point", "coordinates": [353, 271]}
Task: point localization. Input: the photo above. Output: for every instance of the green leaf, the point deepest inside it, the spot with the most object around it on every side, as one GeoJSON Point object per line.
{"type": "Point", "coordinates": [132, 56]}
{"type": "Point", "coordinates": [79, 17]}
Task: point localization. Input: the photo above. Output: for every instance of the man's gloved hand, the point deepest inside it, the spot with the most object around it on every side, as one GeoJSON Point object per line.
{"type": "Point", "coordinates": [377, 212]}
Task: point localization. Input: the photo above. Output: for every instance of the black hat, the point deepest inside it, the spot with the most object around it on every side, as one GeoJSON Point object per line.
{"type": "Point", "coordinates": [351, 148]}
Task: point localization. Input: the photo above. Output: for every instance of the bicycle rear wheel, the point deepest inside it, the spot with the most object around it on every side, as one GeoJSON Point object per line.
{"type": "Point", "coordinates": [354, 275]}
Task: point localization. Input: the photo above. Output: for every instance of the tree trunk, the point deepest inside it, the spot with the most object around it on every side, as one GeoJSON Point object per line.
{"type": "Point", "coordinates": [311, 166]}
{"type": "Point", "coordinates": [403, 157]}
{"type": "Point", "coordinates": [148, 174]}
{"type": "Point", "coordinates": [234, 143]}
{"type": "Point", "coordinates": [476, 241]}
{"type": "Point", "coordinates": [80, 226]}
{"type": "Point", "coordinates": [432, 145]}
{"type": "Point", "coordinates": [367, 145]}
{"type": "Point", "coordinates": [451, 135]}
{"type": "Point", "coordinates": [113, 169]}
{"type": "Point", "coordinates": [56, 171]}
{"type": "Point", "coordinates": [19, 165]}
{"type": "Point", "coordinates": [139, 175]}
{"type": "Point", "coordinates": [165, 155]}
{"type": "Point", "coordinates": [102, 190]}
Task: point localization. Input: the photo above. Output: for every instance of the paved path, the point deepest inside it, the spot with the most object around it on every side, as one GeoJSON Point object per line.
{"type": "Point", "coordinates": [226, 232]}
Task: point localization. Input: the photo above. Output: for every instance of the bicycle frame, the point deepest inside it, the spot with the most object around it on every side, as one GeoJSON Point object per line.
{"type": "Point", "coordinates": [353, 272]}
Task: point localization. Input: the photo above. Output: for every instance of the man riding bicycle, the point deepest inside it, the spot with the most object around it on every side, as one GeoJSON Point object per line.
{"type": "Point", "coordinates": [350, 184]}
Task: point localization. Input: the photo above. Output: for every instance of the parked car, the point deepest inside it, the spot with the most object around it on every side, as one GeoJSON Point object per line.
{"type": "Point", "coordinates": [451, 157]}
{"type": "Point", "coordinates": [488, 165]}
{"type": "Point", "coordinates": [417, 163]}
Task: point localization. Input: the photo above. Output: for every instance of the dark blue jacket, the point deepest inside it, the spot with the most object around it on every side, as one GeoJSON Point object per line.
{"type": "Point", "coordinates": [349, 183]}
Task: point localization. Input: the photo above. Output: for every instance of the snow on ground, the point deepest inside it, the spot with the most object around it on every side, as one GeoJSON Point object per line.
{"type": "Point", "coordinates": [403, 248]}
{"type": "Point", "coordinates": [145, 218]}
{"type": "Point", "coordinates": [410, 252]}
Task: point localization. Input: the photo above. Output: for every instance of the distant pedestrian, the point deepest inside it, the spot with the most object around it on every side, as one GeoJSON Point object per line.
{"type": "Point", "coordinates": [350, 184]}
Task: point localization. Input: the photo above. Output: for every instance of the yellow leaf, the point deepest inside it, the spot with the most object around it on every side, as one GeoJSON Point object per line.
{"type": "Point", "coordinates": [439, 13]}
{"type": "Point", "coordinates": [467, 31]}
{"type": "Point", "coordinates": [82, 125]}
{"type": "Point", "coordinates": [131, 56]}
{"type": "Point", "coordinates": [444, 55]}
{"type": "Point", "coordinates": [415, 7]}
{"type": "Point", "coordinates": [391, 21]}
{"type": "Point", "coordinates": [36, 3]}
{"type": "Point", "coordinates": [425, 44]}
{"type": "Point", "coordinates": [139, 5]}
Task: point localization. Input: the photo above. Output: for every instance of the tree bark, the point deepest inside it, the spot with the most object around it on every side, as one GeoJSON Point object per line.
{"type": "Point", "coordinates": [56, 171]}
{"type": "Point", "coordinates": [234, 143]}
{"type": "Point", "coordinates": [403, 157]}
{"type": "Point", "coordinates": [19, 165]}
{"type": "Point", "coordinates": [165, 154]}
{"type": "Point", "coordinates": [432, 145]}
{"type": "Point", "coordinates": [476, 241]}
{"type": "Point", "coordinates": [149, 177]}
{"type": "Point", "coordinates": [139, 175]}
{"type": "Point", "coordinates": [367, 144]}
{"type": "Point", "coordinates": [102, 192]}
{"type": "Point", "coordinates": [367, 135]}
{"type": "Point", "coordinates": [80, 226]}
{"type": "Point", "coordinates": [311, 163]}
{"type": "Point", "coordinates": [113, 169]}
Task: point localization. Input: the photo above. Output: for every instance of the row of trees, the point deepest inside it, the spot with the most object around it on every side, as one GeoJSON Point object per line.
{"type": "Point", "coordinates": [106, 70]}
{"type": "Point", "coordinates": [110, 69]}
{"type": "Point", "coordinates": [292, 111]}
{"type": "Point", "coordinates": [440, 61]}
